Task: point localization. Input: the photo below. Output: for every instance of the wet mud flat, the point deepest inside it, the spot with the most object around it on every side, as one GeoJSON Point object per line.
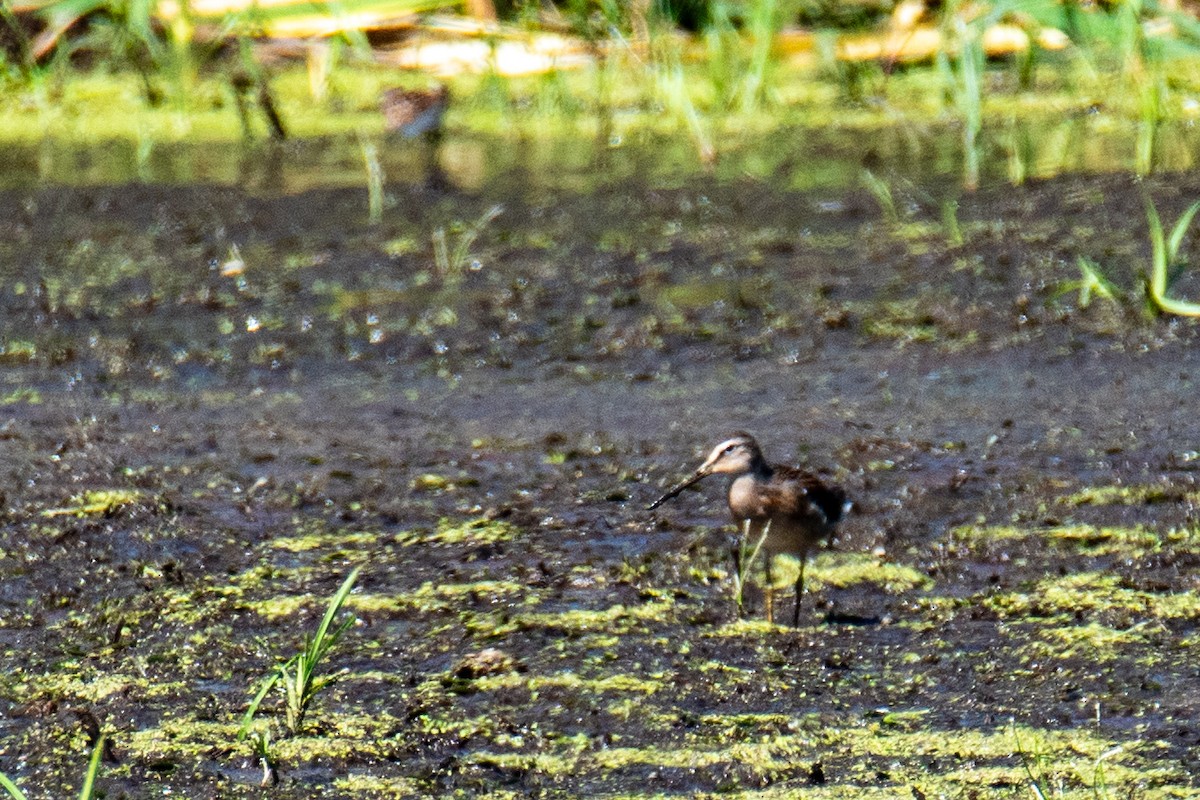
{"type": "Point", "coordinates": [200, 441]}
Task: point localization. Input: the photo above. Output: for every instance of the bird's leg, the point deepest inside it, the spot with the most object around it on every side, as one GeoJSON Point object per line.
{"type": "Point", "coordinates": [799, 590]}
{"type": "Point", "coordinates": [769, 590]}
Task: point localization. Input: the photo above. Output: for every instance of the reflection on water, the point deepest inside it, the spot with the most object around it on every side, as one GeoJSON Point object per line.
{"type": "Point", "coordinates": [792, 157]}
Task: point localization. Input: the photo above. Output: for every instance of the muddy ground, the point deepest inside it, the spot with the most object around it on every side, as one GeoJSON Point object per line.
{"type": "Point", "coordinates": [200, 442]}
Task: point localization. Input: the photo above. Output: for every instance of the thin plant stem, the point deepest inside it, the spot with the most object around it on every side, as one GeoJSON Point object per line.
{"type": "Point", "coordinates": [10, 787]}
{"type": "Point", "coordinates": [89, 778]}
{"type": "Point", "coordinates": [745, 563]}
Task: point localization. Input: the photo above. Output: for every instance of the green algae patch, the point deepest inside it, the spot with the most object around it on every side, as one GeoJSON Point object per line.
{"type": "Point", "coordinates": [488, 727]}
{"type": "Point", "coordinates": [750, 627]}
{"type": "Point", "coordinates": [316, 541]}
{"type": "Point", "coordinates": [550, 764]}
{"type": "Point", "coordinates": [478, 531]}
{"type": "Point", "coordinates": [915, 321]}
{"type": "Point", "coordinates": [432, 482]}
{"type": "Point", "coordinates": [183, 738]}
{"type": "Point", "coordinates": [1094, 641]}
{"type": "Point", "coordinates": [1074, 746]}
{"type": "Point", "coordinates": [23, 395]}
{"type": "Point", "coordinates": [93, 689]}
{"type": "Point", "coordinates": [1134, 540]}
{"type": "Point", "coordinates": [428, 598]}
{"type": "Point", "coordinates": [1133, 495]}
{"type": "Point", "coordinates": [432, 597]}
{"type": "Point", "coordinates": [1095, 592]}
{"type": "Point", "coordinates": [1010, 756]}
{"type": "Point", "coordinates": [614, 619]}
{"type": "Point", "coordinates": [1104, 539]}
{"type": "Point", "coordinates": [16, 352]}
{"type": "Point", "coordinates": [774, 755]}
{"type": "Point", "coordinates": [96, 504]}
{"type": "Point", "coordinates": [750, 722]}
{"type": "Point", "coordinates": [987, 534]}
{"type": "Point", "coordinates": [360, 784]}
{"type": "Point", "coordinates": [620, 684]}
{"type": "Point", "coordinates": [858, 568]}
{"type": "Point", "coordinates": [697, 294]}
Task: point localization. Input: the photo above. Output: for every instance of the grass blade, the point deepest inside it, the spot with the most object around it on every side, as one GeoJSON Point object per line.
{"type": "Point", "coordinates": [1092, 280]}
{"type": "Point", "coordinates": [335, 605]}
{"type": "Point", "coordinates": [882, 193]}
{"type": "Point", "coordinates": [89, 779]}
{"type": "Point", "coordinates": [265, 686]}
{"type": "Point", "coordinates": [1162, 253]}
{"type": "Point", "coordinates": [462, 250]}
{"type": "Point", "coordinates": [11, 788]}
{"type": "Point", "coordinates": [1180, 230]}
{"type": "Point", "coordinates": [1158, 252]}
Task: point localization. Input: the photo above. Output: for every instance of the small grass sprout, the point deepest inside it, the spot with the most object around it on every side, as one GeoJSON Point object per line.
{"type": "Point", "coordinates": [882, 193]}
{"type": "Point", "coordinates": [375, 178]}
{"type": "Point", "coordinates": [13, 790]}
{"type": "Point", "coordinates": [261, 741]}
{"type": "Point", "coordinates": [451, 264]}
{"type": "Point", "coordinates": [299, 674]}
{"type": "Point", "coordinates": [1164, 254]}
{"type": "Point", "coordinates": [950, 224]}
{"type": "Point", "coordinates": [962, 67]}
{"type": "Point", "coordinates": [1091, 282]}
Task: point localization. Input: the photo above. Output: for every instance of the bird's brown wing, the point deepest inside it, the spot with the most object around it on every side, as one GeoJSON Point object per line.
{"type": "Point", "coordinates": [798, 493]}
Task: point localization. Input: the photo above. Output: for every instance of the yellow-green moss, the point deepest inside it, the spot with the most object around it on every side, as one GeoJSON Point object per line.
{"type": "Point", "coordinates": [983, 534]}
{"type": "Point", "coordinates": [317, 540]}
{"type": "Point", "coordinates": [181, 737]}
{"type": "Point", "coordinates": [1137, 494]}
{"type": "Point", "coordinates": [97, 503]}
{"type": "Point", "coordinates": [614, 619]}
{"type": "Point", "coordinates": [359, 784]}
{"type": "Point", "coordinates": [1093, 641]}
{"type": "Point", "coordinates": [428, 598]}
{"type": "Point", "coordinates": [89, 687]}
{"type": "Point", "coordinates": [850, 569]}
{"type": "Point", "coordinates": [475, 532]}
{"type": "Point", "coordinates": [1092, 592]}
{"type": "Point", "coordinates": [646, 685]}
{"type": "Point", "coordinates": [1136, 540]}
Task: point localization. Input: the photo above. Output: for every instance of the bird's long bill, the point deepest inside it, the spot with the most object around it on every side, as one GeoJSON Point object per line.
{"type": "Point", "coordinates": [677, 488]}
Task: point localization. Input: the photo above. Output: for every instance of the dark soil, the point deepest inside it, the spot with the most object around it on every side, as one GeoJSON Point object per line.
{"type": "Point", "coordinates": [1013, 603]}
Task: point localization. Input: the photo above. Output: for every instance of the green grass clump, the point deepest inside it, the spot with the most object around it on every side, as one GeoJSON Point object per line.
{"type": "Point", "coordinates": [299, 675]}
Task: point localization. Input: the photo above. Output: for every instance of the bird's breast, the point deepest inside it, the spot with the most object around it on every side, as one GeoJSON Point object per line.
{"type": "Point", "coordinates": [746, 499]}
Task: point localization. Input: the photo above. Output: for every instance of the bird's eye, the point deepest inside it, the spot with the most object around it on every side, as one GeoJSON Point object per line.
{"type": "Point", "coordinates": [730, 448]}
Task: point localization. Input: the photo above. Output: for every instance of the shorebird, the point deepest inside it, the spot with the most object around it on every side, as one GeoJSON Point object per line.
{"type": "Point", "coordinates": [415, 112]}
{"type": "Point", "coordinates": [782, 509]}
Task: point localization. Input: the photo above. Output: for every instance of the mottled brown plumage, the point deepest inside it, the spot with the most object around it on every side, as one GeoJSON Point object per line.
{"type": "Point", "coordinates": [414, 112]}
{"type": "Point", "coordinates": [790, 510]}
